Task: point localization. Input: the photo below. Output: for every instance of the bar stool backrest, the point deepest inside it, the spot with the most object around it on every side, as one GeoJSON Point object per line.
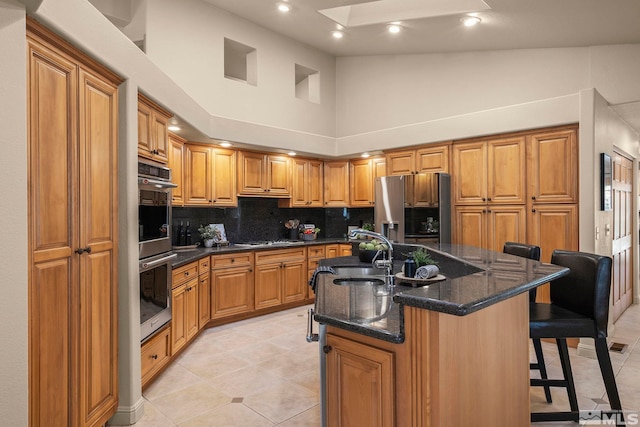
{"type": "Point", "coordinates": [524, 251]}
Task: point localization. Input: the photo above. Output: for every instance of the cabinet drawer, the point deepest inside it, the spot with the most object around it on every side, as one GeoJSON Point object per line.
{"type": "Point", "coordinates": [281, 255]}
{"type": "Point", "coordinates": [203, 265]}
{"type": "Point", "coordinates": [239, 259]}
{"type": "Point", "coordinates": [184, 273]}
{"type": "Point", "coordinates": [312, 264]}
{"type": "Point", "coordinates": [155, 354]}
{"type": "Point", "coordinates": [316, 252]}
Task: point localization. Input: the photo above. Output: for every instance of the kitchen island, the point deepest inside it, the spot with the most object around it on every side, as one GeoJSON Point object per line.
{"type": "Point", "coordinates": [453, 353]}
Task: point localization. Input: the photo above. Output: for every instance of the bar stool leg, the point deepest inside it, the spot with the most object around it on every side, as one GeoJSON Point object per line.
{"type": "Point", "coordinates": [602, 351]}
{"type": "Point", "coordinates": [540, 365]}
{"type": "Point", "coordinates": [568, 374]}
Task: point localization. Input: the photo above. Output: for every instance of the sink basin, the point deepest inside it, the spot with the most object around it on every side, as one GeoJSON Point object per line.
{"type": "Point", "coordinates": [358, 271]}
{"type": "Point", "coordinates": [367, 299]}
{"type": "Point", "coordinates": [358, 281]}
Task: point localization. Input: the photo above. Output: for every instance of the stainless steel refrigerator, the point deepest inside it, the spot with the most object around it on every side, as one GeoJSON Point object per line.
{"type": "Point", "coordinates": [414, 208]}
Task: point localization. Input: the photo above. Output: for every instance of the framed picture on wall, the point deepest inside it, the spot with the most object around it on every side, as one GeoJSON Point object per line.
{"type": "Point", "coordinates": [606, 182]}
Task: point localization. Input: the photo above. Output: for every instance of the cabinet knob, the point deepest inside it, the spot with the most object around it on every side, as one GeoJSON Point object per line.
{"type": "Point", "coordinates": [327, 349]}
{"type": "Point", "coordinates": [80, 251]}
{"type": "Point", "coordinates": [186, 273]}
{"type": "Point", "coordinates": [233, 260]}
{"type": "Point", "coordinates": [484, 200]}
{"type": "Point", "coordinates": [533, 210]}
{"type": "Point", "coordinates": [533, 197]}
{"type": "Point", "coordinates": [489, 199]}
{"type": "Point", "coordinates": [154, 356]}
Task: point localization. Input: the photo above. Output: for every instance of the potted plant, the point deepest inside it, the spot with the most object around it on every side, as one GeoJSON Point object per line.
{"type": "Point", "coordinates": [209, 234]}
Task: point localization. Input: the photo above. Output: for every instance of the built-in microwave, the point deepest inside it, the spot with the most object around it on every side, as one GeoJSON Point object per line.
{"type": "Point", "coordinates": [154, 209]}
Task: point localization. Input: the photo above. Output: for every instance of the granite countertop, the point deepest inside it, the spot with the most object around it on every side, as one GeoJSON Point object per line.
{"type": "Point", "coordinates": [185, 257]}
{"type": "Point", "coordinates": [475, 278]}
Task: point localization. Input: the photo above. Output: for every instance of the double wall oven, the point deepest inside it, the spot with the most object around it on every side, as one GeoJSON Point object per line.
{"type": "Point", "coordinates": [154, 244]}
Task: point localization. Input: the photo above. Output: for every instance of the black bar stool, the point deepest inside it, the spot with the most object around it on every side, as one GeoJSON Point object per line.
{"type": "Point", "coordinates": [579, 308]}
{"type": "Point", "coordinates": [531, 252]}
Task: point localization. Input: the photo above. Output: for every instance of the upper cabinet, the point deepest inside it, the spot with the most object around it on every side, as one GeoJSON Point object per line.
{"type": "Point", "coordinates": [153, 134]}
{"type": "Point", "coordinates": [209, 176]}
{"type": "Point", "coordinates": [429, 159]}
{"type": "Point", "coordinates": [489, 172]}
{"type": "Point", "coordinates": [552, 161]}
{"type": "Point", "coordinates": [176, 164]}
{"type": "Point", "coordinates": [336, 184]}
{"type": "Point", "coordinates": [266, 175]}
{"type": "Point", "coordinates": [362, 176]}
{"type": "Point", "coordinates": [306, 184]}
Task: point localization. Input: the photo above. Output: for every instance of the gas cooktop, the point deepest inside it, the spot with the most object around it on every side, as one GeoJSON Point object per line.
{"type": "Point", "coordinates": [261, 243]}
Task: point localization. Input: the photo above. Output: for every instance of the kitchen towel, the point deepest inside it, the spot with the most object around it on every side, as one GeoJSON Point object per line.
{"type": "Point", "coordinates": [313, 282]}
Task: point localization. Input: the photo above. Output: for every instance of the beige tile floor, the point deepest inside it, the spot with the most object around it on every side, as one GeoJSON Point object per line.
{"type": "Point", "coordinates": [262, 372]}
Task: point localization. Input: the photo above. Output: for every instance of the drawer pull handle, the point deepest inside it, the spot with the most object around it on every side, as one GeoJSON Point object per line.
{"type": "Point", "coordinates": [154, 357]}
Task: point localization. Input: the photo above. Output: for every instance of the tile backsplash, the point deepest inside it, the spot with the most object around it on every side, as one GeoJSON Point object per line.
{"type": "Point", "coordinates": [262, 219]}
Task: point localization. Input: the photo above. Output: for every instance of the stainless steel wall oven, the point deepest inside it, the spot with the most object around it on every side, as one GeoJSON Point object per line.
{"type": "Point", "coordinates": [154, 244]}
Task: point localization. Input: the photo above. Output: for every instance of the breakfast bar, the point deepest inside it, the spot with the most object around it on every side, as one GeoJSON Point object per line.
{"type": "Point", "coordinates": [451, 353]}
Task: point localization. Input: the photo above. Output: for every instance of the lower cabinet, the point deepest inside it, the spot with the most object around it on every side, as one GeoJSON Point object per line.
{"type": "Point", "coordinates": [338, 249]}
{"type": "Point", "coordinates": [184, 314]}
{"type": "Point", "coordinates": [155, 354]}
{"type": "Point", "coordinates": [360, 384]}
{"type": "Point", "coordinates": [280, 277]}
{"type": "Point", "coordinates": [231, 284]}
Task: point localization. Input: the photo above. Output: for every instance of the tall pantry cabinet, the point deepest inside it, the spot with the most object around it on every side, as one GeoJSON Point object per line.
{"type": "Point", "coordinates": [73, 229]}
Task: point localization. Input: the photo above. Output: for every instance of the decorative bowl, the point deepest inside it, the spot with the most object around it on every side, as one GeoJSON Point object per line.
{"type": "Point", "coordinates": [367, 255]}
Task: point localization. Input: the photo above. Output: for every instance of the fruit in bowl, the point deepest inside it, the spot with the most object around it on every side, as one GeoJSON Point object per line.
{"type": "Point", "coordinates": [368, 250]}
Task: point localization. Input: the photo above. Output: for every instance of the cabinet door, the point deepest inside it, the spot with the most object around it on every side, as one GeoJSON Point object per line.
{"type": "Point", "coordinates": [231, 292]}
{"type": "Point", "coordinates": [553, 166]}
{"type": "Point", "coordinates": [505, 224]}
{"type": "Point", "coordinates": [53, 108]}
{"type": "Point", "coordinates": [315, 184]}
{"type": "Point", "coordinates": [160, 137]}
{"type": "Point", "coordinates": [204, 298]}
{"type": "Point", "coordinates": [294, 281]}
{"type": "Point", "coordinates": [336, 184]}
{"type": "Point", "coordinates": [469, 173]}
{"type": "Point", "coordinates": [224, 188]}
{"type": "Point", "coordinates": [470, 226]}
{"type": "Point", "coordinates": [506, 171]}
{"type": "Point", "coordinates": [433, 159]}
{"type": "Point", "coordinates": [361, 183]}
{"type": "Point", "coordinates": [299, 187]}
{"type": "Point", "coordinates": [332, 251]}
{"type": "Point", "coordinates": [268, 289]}
{"type": "Point", "coordinates": [425, 190]}
{"type": "Point", "coordinates": [345, 249]}
{"type": "Point", "coordinates": [198, 176]}
{"type": "Point", "coordinates": [192, 303]}
{"type": "Point", "coordinates": [552, 227]}
{"type": "Point", "coordinates": [176, 163]}
{"type": "Point", "coordinates": [155, 354]}
{"type": "Point", "coordinates": [251, 173]}
{"type": "Point", "coordinates": [278, 176]}
{"type": "Point", "coordinates": [401, 162]}
{"type": "Point", "coordinates": [360, 384]}
{"type": "Point", "coordinates": [98, 230]}
{"type": "Point", "coordinates": [178, 318]}
{"type": "Point", "coordinates": [145, 130]}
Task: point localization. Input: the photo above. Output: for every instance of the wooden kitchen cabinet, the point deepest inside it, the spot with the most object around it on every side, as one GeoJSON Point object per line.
{"type": "Point", "coordinates": [210, 176]}
{"type": "Point", "coordinates": [204, 292]}
{"type": "Point", "coordinates": [336, 184]}
{"type": "Point", "coordinates": [489, 171]}
{"type": "Point", "coordinates": [421, 190]}
{"type": "Point", "coordinates": [314, 255]}
{"type": "Point", "coordinates": [428, 159]}
{"type": "Point", "coordinates": [184, 305]}
{"type": "Point", "coordinates": [72, 119]}
{"type": "Point", "coordinates": [552, 165]}
{"type": "Point", "coordinates": [232, 284]}
{"type": "Point", "coordinates": [176, 164]}
{"type": "Point", "coordinates": [552, 226]}
{"type": "Point", "coordinates": [155, 354]}
{"type": "Point", "coordinates": [153, 123]}
{"type": "Point", "coordinates": [266, 175]}
{"type": "Point", "coordinates": [489, 226]}
{"type": "Point", "coordinates": [362, 177]}
{"type": "Point", "coordinates": [280, 277]}
{"type": "Point", "coordinates": [360, 384]}
{"type": "Point", "coordinates": [306, 185]}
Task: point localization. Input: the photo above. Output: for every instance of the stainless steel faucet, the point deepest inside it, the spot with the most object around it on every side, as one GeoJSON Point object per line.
{"type": "Point", "coordinates": [388, 263]}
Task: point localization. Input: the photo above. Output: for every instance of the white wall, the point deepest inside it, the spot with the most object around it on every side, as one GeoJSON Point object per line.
{"type": "Point", "coordinates": [13, 208]}
{"type": "Point", "coordinates": [186, 39]}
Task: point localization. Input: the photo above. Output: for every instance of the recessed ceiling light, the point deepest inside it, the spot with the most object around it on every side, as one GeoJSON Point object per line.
{"type": "Point", "coordinates": [173, 128]}
{"type": "Point", "coordinates": [225, 144]}
{"type": "Point", "coordinates": [365, 155]}
{"type": "Point", "coordinates": [292, 153]}
{"type": "Point", "coordinates": [337, 34]}
{"type": "Point", "coordinates": [394, 28]}
{"type": "Point", "coordinates": [284, 7]}
{"type": "Point", "coordinates": [470, 21]}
